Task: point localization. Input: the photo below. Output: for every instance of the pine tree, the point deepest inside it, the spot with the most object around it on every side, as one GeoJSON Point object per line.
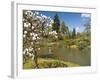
{"type": "Point", "coordinates": [63, 28]}
{"type": "Point", "coordinates": [74, 33]}
{"type": "Point", "coordinates": [56, 23]}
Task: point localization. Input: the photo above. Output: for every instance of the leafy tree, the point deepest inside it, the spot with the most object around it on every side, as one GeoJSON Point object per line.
{"type": "Point", "coordinates": [56, 23]}
{"type": "Point", "coordinates": [87, 25]}
{"type": "Point", "coordinates": [74, 33]}
{"type": "Point", "coordinates": [63, 28]}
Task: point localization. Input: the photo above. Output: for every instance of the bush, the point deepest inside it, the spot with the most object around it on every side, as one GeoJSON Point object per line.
{"type": "Point", "coordinates": [70, 42]}
{"type": "Point", "coordinates": [60, 36]}
{"type": "Point", "coordinates": [82, 44]}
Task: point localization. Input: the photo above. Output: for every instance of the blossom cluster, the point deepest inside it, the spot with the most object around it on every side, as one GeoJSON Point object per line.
{"type": "Point", "coordinates": [34, 15]}
{"type": "Point", "coordinates": [33, 22]}
{"type": "Point", "coordinates": [29, 52]}
{"type": "Point", "coordinates": [53, 33]}
{"type": "Point", "coordinates": [37, 22]}
{"type": "Point", "coordinates": [27, 24]}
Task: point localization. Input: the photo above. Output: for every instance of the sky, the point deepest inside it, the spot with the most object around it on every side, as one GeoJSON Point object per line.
{"type": "Point", "coordinates": [71, 19]}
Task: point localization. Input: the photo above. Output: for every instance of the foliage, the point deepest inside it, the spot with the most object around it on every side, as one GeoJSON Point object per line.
{"type": "Point", "coordinates": [63, 28]}
{"type": "Point", "coordinates": [60, 36]}
{"type": "Point", "coordinates": [87, 24]}
{"type": "Point", "coordinates": [33, 31]}
{"type": "Point", "coordinates": [49, 63]}
{"type": "Point", "coordinates": [41, 32]}
{"type": "Point", "coordinates": [56, 23]}
{"type": "Point", "coordinates": [73, 33]}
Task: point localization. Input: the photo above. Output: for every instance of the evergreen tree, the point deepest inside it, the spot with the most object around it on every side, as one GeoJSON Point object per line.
{"type": "Point", "coordinates": [68, 33]}
{"type": "Point", "coordinates": [63, 28]}
{"type": "Point", "coordinates": [56, 23]}
{"type": "Point", "coordinates": [74, 33]}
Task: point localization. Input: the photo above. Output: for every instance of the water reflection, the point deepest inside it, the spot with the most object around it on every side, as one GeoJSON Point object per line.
{"type": "Point", "coordinates": [75, 55]}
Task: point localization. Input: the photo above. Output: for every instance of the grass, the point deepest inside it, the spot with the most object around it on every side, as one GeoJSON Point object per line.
{"type": "Point", "coordinates": [49, 63]}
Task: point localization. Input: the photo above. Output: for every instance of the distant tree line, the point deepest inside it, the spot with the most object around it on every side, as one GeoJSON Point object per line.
{"type": "Point", "coordinates": [62, 27]}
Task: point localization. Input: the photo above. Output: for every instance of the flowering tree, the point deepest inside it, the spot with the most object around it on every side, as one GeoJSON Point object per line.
{"type": "Point", "coordinates": [34, 25]}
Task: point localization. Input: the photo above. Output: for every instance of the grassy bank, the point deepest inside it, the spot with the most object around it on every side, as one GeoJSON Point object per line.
{"type": "Point", "coordinates": [48, 63]}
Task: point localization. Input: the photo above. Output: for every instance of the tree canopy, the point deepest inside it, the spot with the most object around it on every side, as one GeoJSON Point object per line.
{"type": "Point", "coordinates": [63, 28]}
{"type": "Point", "coordinates": [56, 23]}
{"type": "Point", "coordinates": [73, 33]}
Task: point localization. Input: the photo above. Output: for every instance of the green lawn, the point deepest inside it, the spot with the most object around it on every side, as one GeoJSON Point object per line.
{"type": "Point", "coordinates": [49, 63]}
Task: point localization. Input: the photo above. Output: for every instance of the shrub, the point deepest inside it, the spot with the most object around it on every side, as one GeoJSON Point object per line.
{"type": "Point", "coordinates": [60, 36]}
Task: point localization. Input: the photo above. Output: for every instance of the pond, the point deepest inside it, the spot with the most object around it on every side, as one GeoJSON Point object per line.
{"type": "Point", "coordinates": [61, 52]}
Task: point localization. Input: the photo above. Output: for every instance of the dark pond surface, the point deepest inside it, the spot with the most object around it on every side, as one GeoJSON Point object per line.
{"type": "Point", "coordinates": [81, 57]}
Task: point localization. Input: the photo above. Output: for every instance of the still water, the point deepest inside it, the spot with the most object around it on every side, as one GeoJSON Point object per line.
{"type": "Point", "coordinates": [81, 57]}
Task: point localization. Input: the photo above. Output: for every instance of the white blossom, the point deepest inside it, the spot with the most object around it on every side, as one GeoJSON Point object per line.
{"type": "Point", "coordinates": [29, 13]}
{"type": "Point", "coordinates": [36, 35]}
{"type": "Point", "coordinates": [34, 38]}
{"type": "Point", "coordinates": [53, 33]}
{"type": "Point", "coordinates": [30, 54]}
{"type": "Point", "coordinates": [31, 34]}
{"type": "Point", "coordinates": [26, 12]}
{"type": "Point", "coordinates": [33, 27]}
{"type": "Point", "coordinates": [27, 24]}
{"type": "Point", "coordinates": [50, 25]}
{"type": "Point", "coordinates": [44, 16]}
{"type": "Point", "coordinates": [30, 49]}
{"type": "Point", "coordinates": [25, 32]}
{"type": "Point", "coordinates": [39, 17]}
{"type": "Point", "coordinates": [24, 35]}
{"type": "Point", "coordinates": [25, 50]}
{"type": "Point", "coordinates": [38, 38]}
